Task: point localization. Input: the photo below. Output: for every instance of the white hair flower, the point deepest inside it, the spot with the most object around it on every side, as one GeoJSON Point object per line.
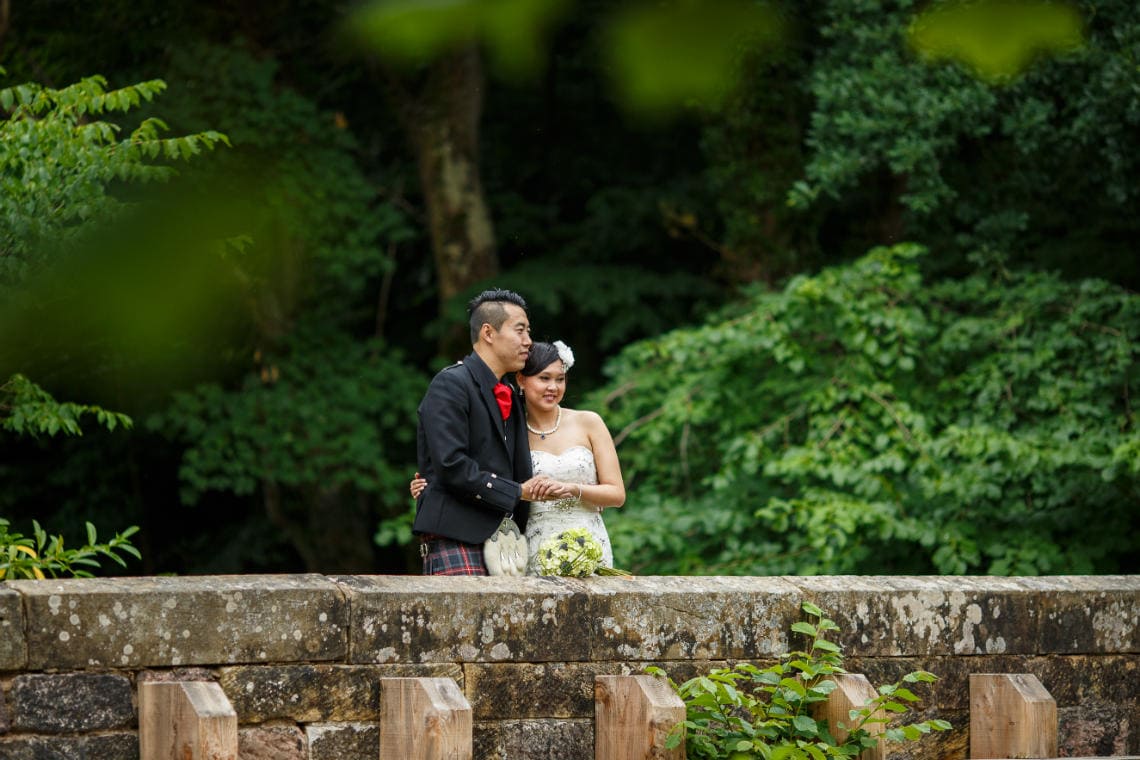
{"type": "Point", "coordinates": [565, 354]}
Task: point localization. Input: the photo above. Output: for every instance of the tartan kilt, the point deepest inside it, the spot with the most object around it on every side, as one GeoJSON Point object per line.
{"type": "Point", "coordinates": [446, 556]}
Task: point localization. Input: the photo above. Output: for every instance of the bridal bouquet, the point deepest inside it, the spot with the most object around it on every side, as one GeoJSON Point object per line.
{"type": "Point", "coordinates": [575, 553]}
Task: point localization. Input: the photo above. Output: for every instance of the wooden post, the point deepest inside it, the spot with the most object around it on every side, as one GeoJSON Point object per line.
{"type": "Point", "coordinates": [632, 717]}
{"type": "Point", "coordinates": [852, 692]}
{"type": "Point", "coordinates": [186, 720]}
{"type": "Point", "coordinates": [1011, 715]}
{"type": "Point", "coordinates": [424, 719]}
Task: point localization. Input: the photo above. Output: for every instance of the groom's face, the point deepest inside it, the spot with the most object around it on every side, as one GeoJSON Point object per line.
{"type": "Point", "coordinates": [512, 341]}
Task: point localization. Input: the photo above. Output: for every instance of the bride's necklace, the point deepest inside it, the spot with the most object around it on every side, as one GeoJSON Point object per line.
{"type": "Point", "coordinates": [543, 433]}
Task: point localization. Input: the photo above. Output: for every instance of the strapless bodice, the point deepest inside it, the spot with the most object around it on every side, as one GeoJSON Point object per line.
{"type": "Point", "coordinates": [574, 465]}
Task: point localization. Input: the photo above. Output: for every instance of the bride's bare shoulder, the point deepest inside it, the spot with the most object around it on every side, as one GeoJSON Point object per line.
{"type": "Point", "coordinates": [585, 417]}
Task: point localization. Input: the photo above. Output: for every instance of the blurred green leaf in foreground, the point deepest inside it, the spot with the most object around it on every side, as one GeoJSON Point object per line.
{"type": "Point", "coordinates": [997, 39]}
{"type": "Point", "coordinates": [659, 57]}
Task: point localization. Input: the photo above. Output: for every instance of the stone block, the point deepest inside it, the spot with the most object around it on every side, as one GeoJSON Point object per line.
{"type": "Point", "coordinates": [317, 693]}
{"type": "Point", "coordinates": [1070, 680]}
{"type": "Point", "coordinates": [341, 741]}
{"type": "Point", "coordinates": [13, 644]}
{"type": "Point", "coordinates": [705, 617]}
{"type": "Point", "coordinates": [415, 619]}
{"type": "Point", "coordinates": [117, 746]}
{"type": "Point", "coordinates": [1084, 679]}
{"type": "Point", "coordinates": [680, 671]}
{"type": "Point", "coordinates": [550, 739]}
{"type": "Point", "coordinates": [555, 689]}
{"type": "Point", "coordinates": [161, 621]}
{"type": "Point", "coordinates": [534, 690]}
{"type": "Point", "coordinates": [177, 674]}
{"type": "Point", "coordinates": [5, 722]}
{"type": "Point", "coordinates": [944, 745]}
{"type": "Point", "coordinates": [1097, 731]}
{"type": "Point", "coordinates": [951, 690]}
{"type": "Point", "coordinates": [902, 615]}
{"type": "Point", "coordinates": [272, 742]}
{"type": "Point", "coordinates": [114, 746]}
{"type": "Point", "coordinates": [1087, 614]}
{"type": "Point", "coordinates": [70, 703]}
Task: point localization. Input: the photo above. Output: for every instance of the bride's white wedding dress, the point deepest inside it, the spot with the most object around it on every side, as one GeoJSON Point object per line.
{"type": "Point", "coordinates": [549, 518]}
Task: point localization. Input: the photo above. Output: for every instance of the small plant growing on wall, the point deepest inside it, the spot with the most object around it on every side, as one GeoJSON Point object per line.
{"type": "Point", "coordinates": [746, 712]}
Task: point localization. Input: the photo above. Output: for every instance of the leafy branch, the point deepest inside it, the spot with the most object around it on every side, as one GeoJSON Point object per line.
{"type": "Point", "coordinates": [27, 409]}
{"type": "Point", "coordinates": [45, 556]}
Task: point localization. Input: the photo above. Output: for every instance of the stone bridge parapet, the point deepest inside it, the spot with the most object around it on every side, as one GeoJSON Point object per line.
{"type": "Point", "coordinates": [300, 656]}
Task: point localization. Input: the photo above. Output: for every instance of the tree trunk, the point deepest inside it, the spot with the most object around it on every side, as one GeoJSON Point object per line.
{"type": "Point", "coordinates": [440, 113]}
{"type": "Point", "coordinates": [5, 18]}
{"type": "Point", "coordinates": [892, 225]}
{"type": "Point", "coordinates": [329, 529]}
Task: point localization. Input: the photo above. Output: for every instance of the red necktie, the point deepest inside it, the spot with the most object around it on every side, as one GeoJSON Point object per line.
{"type": "Point", "coordinates": [503, 396]}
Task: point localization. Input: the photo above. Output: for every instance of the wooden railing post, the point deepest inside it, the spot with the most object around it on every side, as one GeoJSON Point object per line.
{"type": "Point", "coordinates": [186, 720]}
{"type": "Point", "coordinates": [424, 719]}
{"type": "Point", "coordinates": [852, 692]}
{"type": "Point", "coordinates": [1011, 715]}
{"type": "Point", "coordinates": [633, 715]}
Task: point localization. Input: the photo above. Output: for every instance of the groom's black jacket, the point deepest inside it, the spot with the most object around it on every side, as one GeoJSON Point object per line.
{"type": "Point", "coordinates": [474, 461]}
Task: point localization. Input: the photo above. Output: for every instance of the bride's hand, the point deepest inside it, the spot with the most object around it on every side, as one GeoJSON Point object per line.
{"type": "Point", "coordinates": [559, 490]}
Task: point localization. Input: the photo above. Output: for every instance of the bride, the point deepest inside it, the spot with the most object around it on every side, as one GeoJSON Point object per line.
{"type": "Point", "coordinates": [569, 446]}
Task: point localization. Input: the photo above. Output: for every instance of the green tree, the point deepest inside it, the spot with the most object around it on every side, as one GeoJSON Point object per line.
{"type": "Point", "coordinates": [322, 437]}
{"type": "Point", "coordinates": [58, 163]}
{"type": "Point", "coordinates": [1031, 163]}
{"type": "Point", "coordinates": [865, 421]}
{"type": "Point", "coordinates": [316, 422]}
{"type": "Point", "coordinates": [60, 156]}
{"type": "Point", "coordinates": [633, 50]}
{"type": "Point", "coordinates": [613, 222]}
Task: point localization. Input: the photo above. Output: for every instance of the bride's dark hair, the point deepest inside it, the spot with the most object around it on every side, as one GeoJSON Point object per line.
{"type": "Point", "coordinates": [542, 355]}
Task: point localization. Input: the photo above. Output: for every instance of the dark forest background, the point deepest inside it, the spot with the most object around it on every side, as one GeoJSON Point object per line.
{"type": "Point", "coordinates": [853, 286]}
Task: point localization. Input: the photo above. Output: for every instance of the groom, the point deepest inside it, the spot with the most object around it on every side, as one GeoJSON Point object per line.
{"type": "Point", "coordinates": [471, 444]}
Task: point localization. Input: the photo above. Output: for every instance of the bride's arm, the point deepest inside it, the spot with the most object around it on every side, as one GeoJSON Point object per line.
{"type": "Point", "coordinates": [610, 490]}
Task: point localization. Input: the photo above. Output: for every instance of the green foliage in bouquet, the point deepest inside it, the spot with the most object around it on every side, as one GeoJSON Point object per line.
{"type": "Point", "coordinates": [747, 712]}
{"type": "Point", "coordinates": [45, 556]}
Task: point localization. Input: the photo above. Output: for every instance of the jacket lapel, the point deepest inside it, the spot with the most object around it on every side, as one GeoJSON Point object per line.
{"type": "Point", "coordinates": [485, 382]}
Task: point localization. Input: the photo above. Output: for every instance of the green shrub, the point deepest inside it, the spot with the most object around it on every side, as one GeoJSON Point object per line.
{"type": "Point", "coordinates": [865, 420]}
{"type": "Point", "coordinates": [750, 712]}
